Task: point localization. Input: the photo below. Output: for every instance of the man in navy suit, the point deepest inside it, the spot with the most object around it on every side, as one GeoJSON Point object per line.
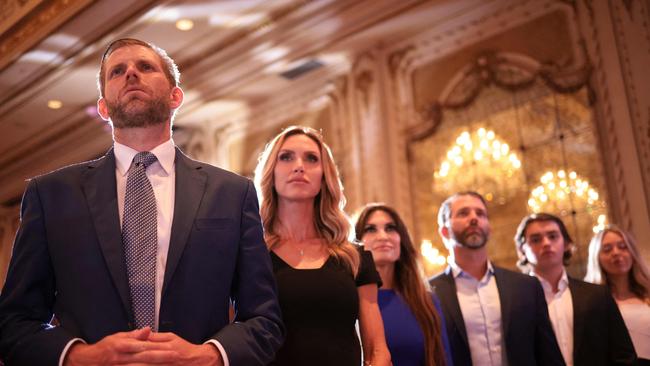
{"type": "Point", "coordinates": [585, 318]}
{"type": "Point", "coordinates": [71, 262]}
{"type": "Point", "coordinates": [494, 316]}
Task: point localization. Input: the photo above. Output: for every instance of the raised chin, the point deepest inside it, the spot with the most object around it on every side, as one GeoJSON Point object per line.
{"type": "Point", "coordinates": [134, 104]}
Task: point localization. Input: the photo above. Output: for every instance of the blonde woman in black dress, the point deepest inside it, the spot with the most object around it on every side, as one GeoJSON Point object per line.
{"type": "Point", "coordinates": [325, 283]}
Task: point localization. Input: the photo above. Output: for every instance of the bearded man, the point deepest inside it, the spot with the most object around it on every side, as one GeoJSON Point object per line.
{"type": "Point", "coordinates": [493, 316]}
{"type": "Point", "coordinates": [138, 254]}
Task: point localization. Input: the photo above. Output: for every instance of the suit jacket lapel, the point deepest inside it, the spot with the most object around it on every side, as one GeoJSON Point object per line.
{"type": "Point", "coordinates": [446, 290]}
{"type": "Point", "coordinates": [100, 188]}
{"type": "Point", "coordinates": [578, 299]}
{"type": "Point", "coordinates": [190, 187]}
{"type": "Point", "coordinates": [505, 299]}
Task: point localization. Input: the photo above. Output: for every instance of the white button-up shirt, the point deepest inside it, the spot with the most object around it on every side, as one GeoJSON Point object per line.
{"type": "Point", "coordinates": [481, 308]}
{"type": "Point", "coordinates": [560, 310]}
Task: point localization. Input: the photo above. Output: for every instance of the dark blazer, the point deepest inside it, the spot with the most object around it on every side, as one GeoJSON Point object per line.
{"type": "Point", "coordinates": [68, 261]}
{"type": "Point", "coordinates": [600, 336]}
{"type": "Point", "coordinates": [527, 331]}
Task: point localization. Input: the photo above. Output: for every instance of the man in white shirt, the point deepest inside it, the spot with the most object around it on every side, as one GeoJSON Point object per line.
{"type": "Point", "coordinates": [138, 254]}
{"type": "Point", "coordinates": [585, 318]}
{"type": "Point", "coordinates": [494, 316]}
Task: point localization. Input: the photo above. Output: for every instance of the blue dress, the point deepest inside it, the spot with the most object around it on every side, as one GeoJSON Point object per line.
{"type": "Point", "coordinates": [403, 333]}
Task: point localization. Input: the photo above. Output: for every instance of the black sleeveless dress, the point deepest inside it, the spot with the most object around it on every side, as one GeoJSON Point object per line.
{"type": "Point", "coordinates": [319, 308]}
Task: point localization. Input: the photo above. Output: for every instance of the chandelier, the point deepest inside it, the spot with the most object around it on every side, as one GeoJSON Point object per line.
{"type": "Point", "coordinates": [480, 161]}
{"type": "Point", "coordinates": [432, 254]}
{"type": "Point", "coordinates": [568, 193]}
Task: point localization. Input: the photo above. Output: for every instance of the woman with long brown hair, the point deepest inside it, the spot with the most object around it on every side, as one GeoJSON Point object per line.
{"type": "Point", "coordinates": [413, 325]}
{"type": "Point", "coordinates": [614, 260]}
{"type": "Point", "coordinates": [325, 283]}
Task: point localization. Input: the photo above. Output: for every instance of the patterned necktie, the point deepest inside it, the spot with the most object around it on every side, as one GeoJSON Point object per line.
{"type": "Point", "coordinates": [140, 239]}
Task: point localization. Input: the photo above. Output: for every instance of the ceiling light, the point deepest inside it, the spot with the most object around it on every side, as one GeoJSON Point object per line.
{"type": "Point", "coordinates": [235, 20]}
{"type": "Point", "coordinates": [54, 104]}
{"type": "Point", "coordinates": [184, 24]}
{"type": "Point", "coordinates": [91, 111]}
{"type": "Point", "coordinates": [267, 54]}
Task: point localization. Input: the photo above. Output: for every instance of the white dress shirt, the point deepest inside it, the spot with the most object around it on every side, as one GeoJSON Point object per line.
{"type": "Point", "coordinates": [481, 308]}
{"type": "Point", "coordinates": [637, 319]}
{"type": "Point", "coordinates": [162, 175]}
{"type": "Point", "coordinates": [560, 310]}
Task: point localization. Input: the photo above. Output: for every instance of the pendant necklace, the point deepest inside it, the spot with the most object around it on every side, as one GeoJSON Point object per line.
{"type": "Point", "coordinates": [301, 250]}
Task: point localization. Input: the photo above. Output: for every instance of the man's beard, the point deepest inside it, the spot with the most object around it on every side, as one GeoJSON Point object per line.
{"type": "Point", "coordinates": [471, 240]}
{"type": "Point", "coordinates": [154, 112]}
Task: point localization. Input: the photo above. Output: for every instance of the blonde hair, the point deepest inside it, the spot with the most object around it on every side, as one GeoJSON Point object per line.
{"type": "Point", "coordinates": [330, 220]}
{"type": "Point", "coordinates": [638, 277]}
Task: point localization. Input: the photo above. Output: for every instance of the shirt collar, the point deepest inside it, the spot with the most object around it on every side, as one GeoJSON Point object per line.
{"type": "Point", "coordinates": [165, 153]}
{"type": "Point", "coordinates": [457, 271]}
{"type": "Point", "coordinates": [548, 289]}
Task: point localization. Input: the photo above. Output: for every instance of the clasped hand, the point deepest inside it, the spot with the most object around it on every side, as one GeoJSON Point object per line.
{"type": "Point", "coordinates": [142, 347]}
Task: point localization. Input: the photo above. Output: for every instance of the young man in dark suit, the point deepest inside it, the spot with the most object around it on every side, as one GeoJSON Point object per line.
{"type": "Point", "coordinates": [587, 323]}
{"type": "Point", "coordinates": [494, 316]}
{"type": "Point", "coordinates": [138, 254]}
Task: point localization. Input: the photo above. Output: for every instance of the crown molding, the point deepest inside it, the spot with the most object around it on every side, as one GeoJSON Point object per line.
{"type": "Point", "coordinates": [28, 22]}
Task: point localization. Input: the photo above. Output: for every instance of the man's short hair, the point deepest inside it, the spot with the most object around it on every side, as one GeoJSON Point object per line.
{"type": "Point", "coordinates": [169, 66]}
{"type": "Point", "coordinates": [444, 213]}
{"type": "Point", "coordinates": [520, 237]}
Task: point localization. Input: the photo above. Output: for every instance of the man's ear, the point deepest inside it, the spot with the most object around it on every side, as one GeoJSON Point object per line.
{"type": "Point", "coordinates": [444, 232]}
{"type": "Point", "coordinates": [176, 97]}
{"type": "Point", "coordinates": [569, 248]}
{"type": "Point", "coordinates": [521, 250]}
{"type": "Point", "coordinates": [102, 109]}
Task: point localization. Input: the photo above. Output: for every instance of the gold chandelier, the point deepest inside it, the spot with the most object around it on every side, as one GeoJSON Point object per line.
{"type": "Point", "coordinates": [431, 253]}
{"type": "Point", "coordinates": [564, 193]}
{"type": "Point", "coordinates": [481, 162]}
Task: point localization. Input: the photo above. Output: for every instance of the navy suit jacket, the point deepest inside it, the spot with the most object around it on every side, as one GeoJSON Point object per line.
{"type": "Point", "coordinates": [68, 261]}
{"type": "Point", "coordinates": [527, 331]}
{"type": "Point", "coordinates": [600, 336]}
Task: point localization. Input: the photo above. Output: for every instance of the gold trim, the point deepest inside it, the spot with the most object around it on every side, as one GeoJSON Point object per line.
{"type": "Point", "coordinates": [30, 24]}
{"type": "Point", "coordinates": [13, 11]}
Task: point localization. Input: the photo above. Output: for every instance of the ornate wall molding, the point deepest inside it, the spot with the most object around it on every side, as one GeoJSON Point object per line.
{"type": "Point", "coordinates": [492, 19]}
{"type": "Point", "coordinates": [509, 71]}
{"type": "Point", "coordinates": [630, 31]}
{"type": "Point", "coordinates": [13, 11]}
{"type": "Point", "coordinates": [400, 114]}
{"type": "Point", "coordinates": [193, 141]}
{"type": "Point", "coordinates": [365, 117]}
{"type": "Point", "coordinates": [345, 134]}
{"type": "Point", "coordinates": [618, 192]}
{"type": "Point", "coordinates": [482, 22]}
{"type": "Point", "coordinates": [28, 24]}
{"type": "Point", "coordinates": [401, 65]}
